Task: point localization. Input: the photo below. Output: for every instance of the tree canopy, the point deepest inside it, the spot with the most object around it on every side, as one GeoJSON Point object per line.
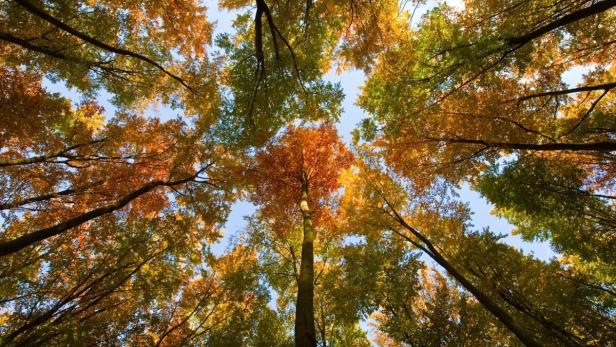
{"type": "Point", "coordinates": [114, 218]}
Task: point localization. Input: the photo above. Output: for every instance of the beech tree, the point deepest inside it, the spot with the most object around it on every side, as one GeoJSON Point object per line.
{"type": "Point", "coordinates": [479, 96]}
{"type": "Point", "coordinates": [291, 177]}
{"type": "Point", "coordinates": [438, 226]}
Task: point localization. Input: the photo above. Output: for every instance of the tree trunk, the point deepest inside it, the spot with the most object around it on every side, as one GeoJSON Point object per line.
{"type": "Point", "coordinates": [483, 299]}
{"type": "Point", "coordinates": [305, 335]}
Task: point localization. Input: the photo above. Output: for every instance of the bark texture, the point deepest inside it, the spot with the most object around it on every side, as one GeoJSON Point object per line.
{"type": "Point", "coordinates": [305, 335]}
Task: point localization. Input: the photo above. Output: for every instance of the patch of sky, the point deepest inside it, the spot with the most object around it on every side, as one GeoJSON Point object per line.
{"type": "Point", "coordinates": [222, 18]}
{"type": "Point", "coordinates": [575, 75]}
{"type": "Point", "coordinates": [484, 218]}
{"type": "Point", "coordinates": [155, 109]}
{"type": "Point", "coordinates": [353, 240]}
{"type": "Point", "coordinates": [417, 9]}
{"type": "Point", "coordinates": [103, 97]}
{"type": "Point", "coordinates": [235, 223]}
{"type": "Point", "coordinates": [352, 114]}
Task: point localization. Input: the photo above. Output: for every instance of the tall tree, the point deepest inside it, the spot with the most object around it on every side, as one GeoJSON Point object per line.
{"type": "Point", "coordinates": [470, 94]}
{"type": "Point", "coordinates": [280, 52]}
{"type": "Point", "coordinates": [138, 51]}
{"type": "Point", "coordinates": [437, 225]}
{"type": "Point", "coordinates": [292, 176]}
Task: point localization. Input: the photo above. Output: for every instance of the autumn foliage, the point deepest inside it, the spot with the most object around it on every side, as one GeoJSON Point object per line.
{"type": "Point", "coordinates": [314, 156]}
{"type": "Point", "coordinates": [133, 135]}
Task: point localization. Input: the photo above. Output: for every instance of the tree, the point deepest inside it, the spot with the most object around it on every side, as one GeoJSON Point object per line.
{"type": "Point", "coordinates": [487, 269]}
{"type": "Point", "coordinates": [69, 158]}
{"type": "Point", "coordinates": [549, 199]}
{"type": "Point", "coordinates": [472, 94]}
{"type": "Point", "coordinates": [437, 313]}
{"type": "Point", "coordinates": [89, 203]}
{"type": "Point", "coordinates": [124, 48]}
{"type": "Point", "coordinates": [280, 53]}
{"type": "Point", "coordinates": [295, 174]}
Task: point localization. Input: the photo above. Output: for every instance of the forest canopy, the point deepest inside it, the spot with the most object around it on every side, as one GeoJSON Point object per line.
{"type": "Point", "coordinates": [132, 131]}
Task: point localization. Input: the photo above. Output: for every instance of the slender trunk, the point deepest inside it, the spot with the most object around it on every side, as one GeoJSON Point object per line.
{"type": "Point", "coordinates": [323, 331]}
{"type": "Point", "coordinates": [305, 335]}
{"type": "Point", "coordinates": [486, 301]}
{"type": "Point", "coordinates": [483, 299]}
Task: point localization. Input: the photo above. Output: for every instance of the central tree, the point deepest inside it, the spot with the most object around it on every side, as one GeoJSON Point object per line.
{"type": "Point", "coordinates": [294, 177]}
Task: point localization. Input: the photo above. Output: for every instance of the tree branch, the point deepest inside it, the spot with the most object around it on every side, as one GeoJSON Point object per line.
{"type": "Point", "coordinates": [21, 242]}
{"type": "Point", "coordinates": [602, 146]}
{"type": "Point", "coordinates": [486, 301]}
{"type": "Point", "coordinates": [596, 8]}
{"type": "Point", "coordinates": [605, 87]}
{"type": "Point", "coordinates": [89, 39]}
{"type": "Point", "coordinates": [45, 157]}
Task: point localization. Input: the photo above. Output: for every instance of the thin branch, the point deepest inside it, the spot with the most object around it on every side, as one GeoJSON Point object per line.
{"type": "Point", "coordinates": [486, 301]}
{"type": "Point", "coordinates": [605, 87]}
{"type": "Point", "coordinates": [592, 107]}
{"type": "Point", "coordinates": [21, 242]}
{"type": "Point", "coordinates": [45, 157]}
{"type": "Point", "coordinates": [121, 51]}
{"type": "Point", "coordinates": [596, 8]}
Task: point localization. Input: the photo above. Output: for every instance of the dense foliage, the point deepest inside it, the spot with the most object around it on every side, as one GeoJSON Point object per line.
{"type": "Point", "coordinates": [110, 219]}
